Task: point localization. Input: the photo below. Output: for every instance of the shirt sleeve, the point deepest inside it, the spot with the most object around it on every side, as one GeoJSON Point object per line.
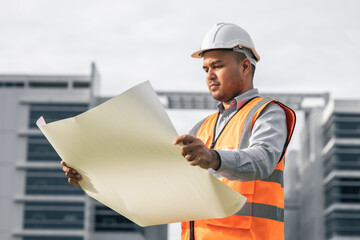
{"type": "Point", "coordinates": [266, 144]}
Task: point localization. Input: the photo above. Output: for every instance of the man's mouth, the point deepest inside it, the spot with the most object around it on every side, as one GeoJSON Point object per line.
{"type": "Point", "coordinates": [214, 86]}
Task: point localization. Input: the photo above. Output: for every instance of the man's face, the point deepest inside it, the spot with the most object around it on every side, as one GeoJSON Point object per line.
{"type": "Point", "coordinates": [224, 76]}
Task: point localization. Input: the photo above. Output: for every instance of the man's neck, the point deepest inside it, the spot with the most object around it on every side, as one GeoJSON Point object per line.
{"type": "Point", "coordinates": [227, 104]}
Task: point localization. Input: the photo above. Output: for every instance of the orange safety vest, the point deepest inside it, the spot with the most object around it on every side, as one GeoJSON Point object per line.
{"type": "Point", "coordinates": [262, 217]}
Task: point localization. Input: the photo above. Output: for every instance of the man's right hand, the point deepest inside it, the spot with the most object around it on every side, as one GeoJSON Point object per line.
{"type": "Point", "coordinates": [73, 176]}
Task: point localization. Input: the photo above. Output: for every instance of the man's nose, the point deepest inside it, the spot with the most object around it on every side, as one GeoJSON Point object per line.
{"type": "Point", "coordinates": [210, 75]}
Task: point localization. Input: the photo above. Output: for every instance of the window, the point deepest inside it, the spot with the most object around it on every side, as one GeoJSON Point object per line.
{"type": "Point", "coordinates": [49, 182]}
{"type": "Point", "coordinates": [342, 126]}
{"type": "Point", "coordinates": [81, 84]}
{"type": "Point", "coordinates": [109, 220]}
{"type": "Point", "coordinates": [55, 111]}
{"type": "Point", "coordinates": [48, 84]}
{"type": "Point", "coordinates": [348, 125]}
{"type": "Point", "coordinates": [11, 84]}
{"type": "Point", "coordinates": [350, 116]}
{"type": "Point", "coordinates": [53, 215]}
{"type": "Point", "coordinates": [39, 149]}
{"type": "Point", "coordinates": [342, 190]}
{"type": "Point", "coordinates": [342, 159]}
{"type": "Point", "coordinates": [52, 238]}
{"type": "Point", "coordinates": [347, 134]}
{"type": "Point", "coordinates": [328, 130]}
{"type": "Point", "coordinates": [343, 223]}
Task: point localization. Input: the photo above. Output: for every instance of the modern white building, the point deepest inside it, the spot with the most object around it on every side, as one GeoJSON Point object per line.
{"type": "Point", "coordinates": [341, 169]}
{"type": "Point", "coordinates": [36, 202]}
{"type": "Point", "coordinates": [329, 173]}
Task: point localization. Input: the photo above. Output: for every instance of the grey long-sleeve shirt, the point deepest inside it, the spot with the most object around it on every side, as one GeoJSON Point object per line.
{"type": "Point", "coordinates": [266, 143]}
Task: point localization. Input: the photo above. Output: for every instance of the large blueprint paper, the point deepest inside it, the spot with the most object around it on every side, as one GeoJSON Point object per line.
{"type": "Point", "coordinates": [123, 150]}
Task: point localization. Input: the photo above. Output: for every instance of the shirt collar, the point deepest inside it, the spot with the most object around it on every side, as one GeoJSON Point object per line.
{"type": "Point", "coordinates": [240, 100]}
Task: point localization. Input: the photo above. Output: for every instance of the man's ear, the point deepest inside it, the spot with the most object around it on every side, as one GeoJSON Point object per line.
{"type": "Point", "coordinates": [246, 67]}
{"type": "Point", "coordinates": [246, 64]}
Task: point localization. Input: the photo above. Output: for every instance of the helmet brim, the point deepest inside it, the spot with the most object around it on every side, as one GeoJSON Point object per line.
{"type": "Point", "coordinates": [200, 53]}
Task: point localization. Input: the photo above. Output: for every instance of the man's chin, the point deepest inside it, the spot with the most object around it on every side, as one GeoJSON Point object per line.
{"type": "Point", "coordinates": [216, 96]}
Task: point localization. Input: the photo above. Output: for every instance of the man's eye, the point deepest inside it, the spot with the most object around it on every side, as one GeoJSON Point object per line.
{"type": "Point", "coordinates": [218, 66]}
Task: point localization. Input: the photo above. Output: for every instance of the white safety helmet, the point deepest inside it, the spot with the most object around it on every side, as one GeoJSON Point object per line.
{"type": "Point", "coordinates": [228, 36]}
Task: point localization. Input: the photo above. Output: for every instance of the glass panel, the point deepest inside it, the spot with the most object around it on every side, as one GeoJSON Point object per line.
{"type": "Point", "coordinates": [347, 115]}
{"type": "Point", "coordinates": [49, 181]}
{"type": "Point", "coordinates": [12, 84]}
{"type": "Point", "coordinates": [81, 84]}
{"type": "Point", "coordinates": [109, 220]}
{"type": "Point", "coordinates": [348, 125]}
{"type": "Point", "coordinates": [342, 190]}
{"type": "Point", "coordinates": [39, 149]}
{"type": "Point", "coordinates": [53, 215]}
{"type": "Point", "coordinates": [55, 111]}
{"type": "Point", "coordinates": [343, 223]}
{"type": "Point", "coordinates": [51, 238]}
{"type": "Point", "coordinates": [48, 84]}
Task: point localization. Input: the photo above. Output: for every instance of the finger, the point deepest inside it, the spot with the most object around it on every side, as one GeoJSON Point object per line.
{"type": "Point", "coordinates": [190, 157]}
{"type": "Point", "coordinates": [185, 150]}
{"type": "Point", "coordinates": [74, 182]}
{"type": "Point", "coordinates": [63, 163]}
{"type": "Point", "coordinates": [69, 170]}
{"type": "Point", "coordinates": [194, 162]}
{"type": "Point", "coordinates": [65, 169]}
{"type": "Point", "coordinates": [72, 175]}
{"type": "Point", "coordinates": [178, 140]}
{"type": "Point", "coordinates": [69, 175]}
{"type": "Point", "coordinates": [78, 177]}
{"type": "Point", "coordinates": [184, 139]}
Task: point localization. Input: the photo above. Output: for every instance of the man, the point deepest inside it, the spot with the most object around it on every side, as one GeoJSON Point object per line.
{"type": "Point", "coordinates": [243, 144]}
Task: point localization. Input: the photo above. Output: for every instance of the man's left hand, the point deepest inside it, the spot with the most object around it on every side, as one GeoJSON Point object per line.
{"type": "Point", "coordinates": [196, 153]}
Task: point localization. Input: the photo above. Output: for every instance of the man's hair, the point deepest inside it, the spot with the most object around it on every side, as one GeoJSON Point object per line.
{"type": "Point", "coordinates": [239, 56]}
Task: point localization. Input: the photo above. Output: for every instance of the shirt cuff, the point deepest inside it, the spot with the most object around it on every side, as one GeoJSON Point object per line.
{"type": "Point", "coordinates": [225, 164]}
{"type": "Point", "coordinates": [219, 160]}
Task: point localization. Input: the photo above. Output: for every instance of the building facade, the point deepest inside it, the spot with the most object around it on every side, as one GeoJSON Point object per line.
{"type": "Point", "coordinates": [36, 202]}
{"type": "Point", "coordinates": [341, 169]}
{"type": "Point", "coordinates": [329, 173]}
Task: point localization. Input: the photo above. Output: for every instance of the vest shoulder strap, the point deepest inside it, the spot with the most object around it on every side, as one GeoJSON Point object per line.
{"type": "Point", "coordinates": [198, 125]}
{"type": "Point", "coordinates": [256, 112]}
{"type": "Point", "coordinates": [249, 122]}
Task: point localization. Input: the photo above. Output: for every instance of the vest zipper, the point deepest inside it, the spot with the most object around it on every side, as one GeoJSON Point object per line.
{"type": "Point", "coordinates": [192, 232]}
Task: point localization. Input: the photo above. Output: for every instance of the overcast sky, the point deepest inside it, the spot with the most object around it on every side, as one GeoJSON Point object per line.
{"type": "Point", "coordinates": [305, 46]}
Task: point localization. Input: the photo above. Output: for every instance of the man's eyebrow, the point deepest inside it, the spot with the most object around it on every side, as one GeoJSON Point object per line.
{"type": "Point", "coordinates": [214, 62]}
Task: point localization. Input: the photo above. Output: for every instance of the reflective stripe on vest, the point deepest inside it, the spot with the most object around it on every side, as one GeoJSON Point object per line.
{"type": "Point", "coordinates": [262, 211]}
{"type": "Point", "coordinates": [277, 177]}
{"type": "Point", "coordinates": [262, 217]}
